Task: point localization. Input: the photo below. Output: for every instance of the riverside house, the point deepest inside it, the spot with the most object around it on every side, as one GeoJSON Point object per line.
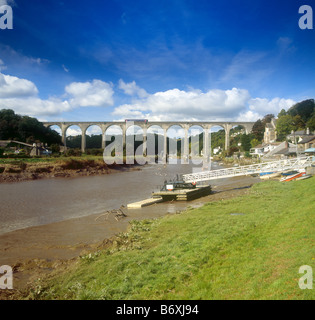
{"type": "Point", "coordinates": [307, 144]}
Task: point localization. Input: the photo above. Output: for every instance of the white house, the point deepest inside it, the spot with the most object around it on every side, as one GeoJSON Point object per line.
{"type": "Point", "coordinates": [263, 149]}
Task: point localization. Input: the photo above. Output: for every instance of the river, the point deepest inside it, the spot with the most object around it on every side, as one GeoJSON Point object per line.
{"type": "Point", "coordinates": [39, 202]}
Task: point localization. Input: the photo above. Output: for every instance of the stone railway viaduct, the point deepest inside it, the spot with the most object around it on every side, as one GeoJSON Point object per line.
{"type": "Point", "coordinates": [124, 125]}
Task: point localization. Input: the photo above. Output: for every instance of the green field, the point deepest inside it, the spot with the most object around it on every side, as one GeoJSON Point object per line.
{"type": "Point", "coordinates": [249, 247]}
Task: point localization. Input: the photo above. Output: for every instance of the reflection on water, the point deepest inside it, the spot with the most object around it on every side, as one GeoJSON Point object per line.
{"type": "Point", "coordinates": [39, 202]}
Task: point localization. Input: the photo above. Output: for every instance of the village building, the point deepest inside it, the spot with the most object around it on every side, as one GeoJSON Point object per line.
{"type": "Point", "coordinates": [274, 149]}
{"type": "Point", "coordinates": [297, 136]}
{"type": "Point", "coordinates": [270, 134]}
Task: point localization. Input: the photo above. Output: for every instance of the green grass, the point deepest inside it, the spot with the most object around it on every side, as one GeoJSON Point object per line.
{"type": "Point", "coordinates": [205, 253]}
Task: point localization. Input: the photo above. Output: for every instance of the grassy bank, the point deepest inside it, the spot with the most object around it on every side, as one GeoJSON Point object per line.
{"type": "Point", "coordinates": [250, 247]}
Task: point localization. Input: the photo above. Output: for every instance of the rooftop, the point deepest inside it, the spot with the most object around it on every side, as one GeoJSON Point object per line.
{"type": "Point", "coordinates": [307, 139]}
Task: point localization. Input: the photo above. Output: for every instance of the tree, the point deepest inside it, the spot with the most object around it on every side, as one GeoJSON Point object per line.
{"type": "Point", "coordinates": [311, 123]}
{"type": "Point", "coordinates": [298, 122]}
{"type": "Point", "coordinates": [245, 140]}
{"type": "Point", "coordinates": [8, 124]}
{"type": "Point", "coordinates": [285, 125]}
{"type": "Point", "coordinates": [258, 130]}
{"type": "Point", "coordinates": [305, 109]}
{"type": "Point", "coordinates": [25, 129]}
{"type": "Point", "coordinates": [267, 118]}
{"type": "Point", "coordinates": [282, 113]}
{"type": "Point", "coordinates": [254, 142]}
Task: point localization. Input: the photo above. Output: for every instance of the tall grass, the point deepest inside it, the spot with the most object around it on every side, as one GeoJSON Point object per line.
{"type": "Point", "coordinates": [250, 247]}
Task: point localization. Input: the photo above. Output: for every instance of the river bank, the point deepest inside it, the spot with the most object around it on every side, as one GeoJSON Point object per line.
{"type": "Point", "coordinates": [23, 170]}
{"type": "Point", "coordinates": [248, 246]}
{"type": "Point", "coordinates": [37, 251]}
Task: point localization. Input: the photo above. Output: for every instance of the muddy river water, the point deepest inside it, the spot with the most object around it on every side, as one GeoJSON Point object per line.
{"type": "Point", "coordinates": [38, 202]}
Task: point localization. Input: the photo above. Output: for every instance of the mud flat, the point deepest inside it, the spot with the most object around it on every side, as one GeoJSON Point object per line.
{"type": "Point", "coordinates": [16, 171]}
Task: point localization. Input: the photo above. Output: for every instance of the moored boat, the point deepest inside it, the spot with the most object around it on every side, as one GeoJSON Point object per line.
{"type": "Point", "coordinates": [306, 176]}
{"type": "Point", "coordinates": [270, 176]}
{"type": "Point", "coordinates": [177, 184]}
{"type": "Point", "coordinates": [289, 173]}
{"type": "Point", "coordinates": [292, 177]}
{"type": "Point", "coordinates": [266, 173]}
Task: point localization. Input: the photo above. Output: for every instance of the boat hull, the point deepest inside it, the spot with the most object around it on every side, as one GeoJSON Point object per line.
{"type": "Point", "coordinates": [270, 176]}
{"type": "Point", "coordinates": [292, 177]}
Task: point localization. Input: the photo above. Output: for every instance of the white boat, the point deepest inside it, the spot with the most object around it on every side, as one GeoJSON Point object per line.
{"type": "Point", "coordinates": [270, 176]}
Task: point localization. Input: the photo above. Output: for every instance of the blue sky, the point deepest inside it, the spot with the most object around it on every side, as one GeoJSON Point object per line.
{"type": "Point", "coordinates": [161, 60]}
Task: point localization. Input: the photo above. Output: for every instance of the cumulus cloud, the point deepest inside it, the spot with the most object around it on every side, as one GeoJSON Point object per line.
{"type": "Point", "coordinates": [234, 104]}
{"type": "Point", "coordinates": [248, 116]}
{"type": "Point", "coordinates": [12, 87]}
{"type": "Point", "coordinates": [132, 89]}
{"type": "Point", "coordinates": [259, 107]}
{"type": "Point", "coordinates": [90, 94]}
{"type": "Point", "coordinates": [194, 105]}
{"type": "Point", "coordinates": [21, 95]}
{"type": "Point", "coordinates": [264, 106]}
{"type": "Point", "coordinates": [187, 105]}
{"type": "Point", "coordinates": [74, 131]}
{"type": "Point", "coordinates": [35, 106]}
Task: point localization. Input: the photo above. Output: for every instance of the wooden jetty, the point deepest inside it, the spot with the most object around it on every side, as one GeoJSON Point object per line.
{"type": "Point", "coordinates": [183, 194]}
{"type": "Point", "coordinates": [143, 203]}
{"type": "Point", "coordinates": [168, 195]}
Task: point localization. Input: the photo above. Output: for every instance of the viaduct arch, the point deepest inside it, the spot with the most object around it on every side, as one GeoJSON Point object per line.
{"type": "Point", "coordinates": [206, 126]}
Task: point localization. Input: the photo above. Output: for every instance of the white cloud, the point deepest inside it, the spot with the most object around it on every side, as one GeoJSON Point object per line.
{"type": "Point", "coordinates": [21, 95]}
{"type": "Point", "coordinates": [12, 87]}
{"type": "Point", "coordinates": [90, 94]}
{"type": "Point", "coordinates": [94, 130]}
{"type": "Point", "coordinates": [73, 131]}
{"type": "Point", "coordinates": [129, 111]}
{"type": "Point", "coordinates": [35, 106]}
{"type": "Point", "coordinates": [132, 89]}
{"type": "Point", "coordinates": [248, 116]}
{"type": "Point", "coordinates": [194, 105]}
{"type": "Point", "coordinates": [187, 105]}
{"type": "Point", "coordinates": [264, 106]}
